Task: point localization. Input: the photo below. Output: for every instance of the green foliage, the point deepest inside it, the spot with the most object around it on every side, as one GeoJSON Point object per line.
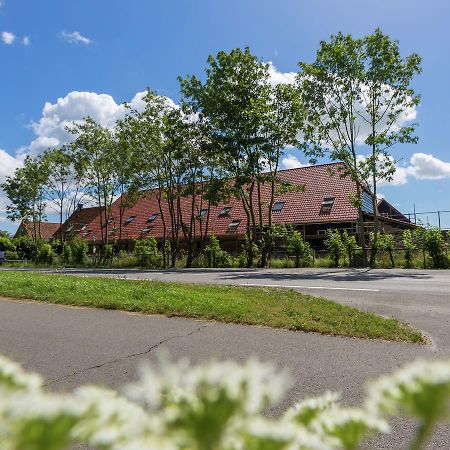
{"type": "Point", "coordinates": [335, 246]}
{"type": "Point", "coordinates": [298, 248]}
{"type": "Point", "coordinates": [352, 249]}
{"type": "Point", "coordinates": [148, 253]}
{"type": "Point", "coordinates": [79, 250]}
{"type": "Point", "coordinates": [434, 245]}
{"type": "Point", "coordinates": [409, 247]}
{"type": "Point", "coordinates": [67, 253]}
{"type": "Point", "coordinates": [45, 254]}
{"type": "Point", "coordinates": [197, 407]}
{"type": "Point", "coordinates": [26, 248]}
{"type": "Point", "coordinates": [7, 244]}
{"type": "Point", "coordinates": [215, 255]}
{"type": "Point", "coordinates": [108, 253]}
{"type": "Point", "coordinates": [386, 244]}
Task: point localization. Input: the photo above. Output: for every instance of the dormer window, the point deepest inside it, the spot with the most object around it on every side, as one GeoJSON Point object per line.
{"type": "Point", "coordinates": [234, 224]}
{"type": "Point", "coordinates": [148, 229]}
{"type": "Point", "coordinates": [278, 206]}
{"type": "Point", "coordinates": [130, 219]}
{"type": "Point", "coordinates": [225, 211]}
{"type": "Point", "coordinates": [203, 212]}
{"type": "Point", "coordinates": [327, 202]}
{"type": "Point", "coordinates": [153, 217]}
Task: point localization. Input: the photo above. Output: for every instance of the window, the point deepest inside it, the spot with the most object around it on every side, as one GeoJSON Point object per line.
{"type": "Point", "coordinates": [153, 217]}
{"type": "Point", "coordinates": [203, 212]}
{"type": "Point", "coordinates": [83, 227]}
{"type": "Point", "coordinates": [69, 228]}
{"type": "Point", "coordinates": [130, 219]}
{"type": "Point", "coordinates": [225, 211]}
{"type": "Point", "coordinates": [148, 229]}
{"type": "Point", "coordinates": [277, 206]}
{"type": "Point", "coordinates": [234, 224]}
{"type": "Point", "coordinates": [327, 202]}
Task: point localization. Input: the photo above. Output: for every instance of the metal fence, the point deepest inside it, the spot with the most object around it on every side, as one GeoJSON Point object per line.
{"type": "Point", "coordinates": [439, 219]}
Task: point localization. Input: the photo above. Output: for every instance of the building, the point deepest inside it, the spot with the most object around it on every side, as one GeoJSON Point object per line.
{"type": "Point", "coordinates": [77, 222]}
{"type": "Point", "coordinates": [41, 230]}
{"type": "Point", "coordinates": [324, 203]}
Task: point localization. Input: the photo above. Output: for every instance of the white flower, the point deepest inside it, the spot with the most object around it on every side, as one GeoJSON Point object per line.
{"type": "Point", "coordinates": [12, 376]}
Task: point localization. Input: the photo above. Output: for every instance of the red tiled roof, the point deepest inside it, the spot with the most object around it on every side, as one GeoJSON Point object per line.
{"type": "Point", "coordinates": [78, 219]}
{"type": "Point", "coordinates": [299, 207]}
{"type": "Point", "coordinates": [47, 230]}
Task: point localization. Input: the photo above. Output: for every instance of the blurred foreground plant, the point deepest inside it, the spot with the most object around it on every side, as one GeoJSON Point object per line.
{"type": "Point", "coordinates": [215, 406]}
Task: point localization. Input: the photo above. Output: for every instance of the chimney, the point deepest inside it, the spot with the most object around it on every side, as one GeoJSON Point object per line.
{"type": "Point", "coordinates": [79, 207]}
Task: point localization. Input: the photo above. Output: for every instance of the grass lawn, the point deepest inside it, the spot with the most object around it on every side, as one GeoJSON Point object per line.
{"type": "Point", "coordinates": [273, 307]}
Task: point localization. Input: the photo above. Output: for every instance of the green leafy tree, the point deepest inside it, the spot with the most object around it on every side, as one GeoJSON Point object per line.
{"type": "Point", "coordinates": [67, 253]}
{"type": "Point", "coordinates": [7, 244]}
{"type": "Point", "coordinates": [93, 154]}
{"type": "Point", "coordinates": [79, 250]}
{"type": "Point", "coordinates": [45, 254]}
{"type": "Point", "coordinates": [250, 124]}
{"type": "Point", "coordinates": [387, 245]}
{"type": "Point", "coordinates": [335, 246]}
{"type": "Point", "coordinates": [352, 249]}
{"type": "Point", "coordinates": [434, 245]}
{"type": "Point", "coordinates": [387, 98]}
{"type": "Point", "coordinates": [409, 247]}
{"type": "Point", "coordinates": [331, 91]}
{"type": "Point", "coordinates": [297, 247]}
{"type": "Point", "coordinates": [26, 247]}
{"type": "Point", "coordinates": [148, 253]}
{"type": "Point", "coordinates": [25, 192]}
{"type": "Point", "coordinates": [215, 255]}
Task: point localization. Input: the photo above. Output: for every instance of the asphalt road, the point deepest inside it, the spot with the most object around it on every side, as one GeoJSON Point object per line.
{"type": "Point", "coordinates": [71, 346]}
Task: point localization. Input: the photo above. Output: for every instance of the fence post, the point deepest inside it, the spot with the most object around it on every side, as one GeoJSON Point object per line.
{"type": "Point", "coordinates": [439, 219]}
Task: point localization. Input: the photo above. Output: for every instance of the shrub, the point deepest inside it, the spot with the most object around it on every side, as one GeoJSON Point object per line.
{"type": "Point", "coordinates": [352, 249]}
{"type": "Point", "coordinates": [298, 248]}
{"type": "Point", "coordinates": [148, 253]}
{"type": "Point", "coordinates": [335, 246]}
{"type": "Point", "coordinates": [67, 253]}
{"type": "Point", "coordinates": [386, 244]}
{"type": "Point", "coordinates": [79, 250]}
{"type": "Point", "coordinates": [179, 406]}
{"type": "Point", "coordinates": [26, 248]}
{"type": "Point", "coordinates": [215, 255]}
{"type": "Point", "coordinates": [7, 244]}
{"type": "Point", "coordinates": [409, 247]}
{"type": "Point", "coordinates": [45, 254]}
{"type": "Point", "coordinates": [434, 245]}
{"type": "Point", "coordinates": [108, 253]}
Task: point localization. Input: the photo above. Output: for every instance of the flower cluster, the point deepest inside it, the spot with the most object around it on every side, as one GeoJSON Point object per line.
{"type": "Point", "coordinates": [214, 406]}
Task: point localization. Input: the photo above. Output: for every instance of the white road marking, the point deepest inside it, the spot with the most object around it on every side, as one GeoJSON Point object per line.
{"type": "Point", "coordinates": [310, 287]}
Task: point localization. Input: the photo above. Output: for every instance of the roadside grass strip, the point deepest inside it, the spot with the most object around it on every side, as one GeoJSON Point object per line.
{"type": "Point", "coordinates": [261, 306]}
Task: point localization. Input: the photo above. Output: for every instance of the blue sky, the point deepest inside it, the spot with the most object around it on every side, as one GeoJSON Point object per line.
{"type": "Point", "coordinates": [119, 48]}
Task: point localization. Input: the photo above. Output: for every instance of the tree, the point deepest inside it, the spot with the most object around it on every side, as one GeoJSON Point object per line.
{"type": "Point", "coordinates": [331, 91]}
{"type": "Point", "coordinates": [248, 128]}
{"type": "Point", "coordinates": [352, 249]}
{"type": "Point", "coordinates": [25, 191]}
{"type": "Point", "coordinates": [409, 247]}
{"type": "Point", "coordinates": [93, 155]}
{"type": "Point", "coordinates": [387, 244]}
{"type": "Point", "coordinates": [434, 245]}
{"type": "Point", "coordinates": [335, 246]}
{"type": "Point", "coordinates": [297, 247]}
{"type": "Point", "coordinates": [388, 98]}
{"type": "Point", "coordinates": [63, 188]}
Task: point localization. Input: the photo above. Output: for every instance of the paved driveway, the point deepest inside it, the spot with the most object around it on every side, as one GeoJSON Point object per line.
{"type": "Point", "coordinates": [70, 346]}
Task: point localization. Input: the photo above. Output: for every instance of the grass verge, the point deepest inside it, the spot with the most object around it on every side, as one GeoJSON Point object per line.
{"type": "Point", "coordinates": [273, 307]}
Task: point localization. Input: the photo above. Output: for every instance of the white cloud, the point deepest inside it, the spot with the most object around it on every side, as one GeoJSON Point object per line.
{"type": "Point", "coordinates": [75, 38]}
{"type": "Point", "coordinates": [277, 77]}
{"type": "Point", "coordinates": [50, 129]}
{"type": "Point", "coordinates": [7, 37]}
{"type": "Point", "coordinates": [291, 162]}
{"type": "Point", "coordinates": [426, 167]}
{"type": "Point", "coordinates": [26, 41]}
